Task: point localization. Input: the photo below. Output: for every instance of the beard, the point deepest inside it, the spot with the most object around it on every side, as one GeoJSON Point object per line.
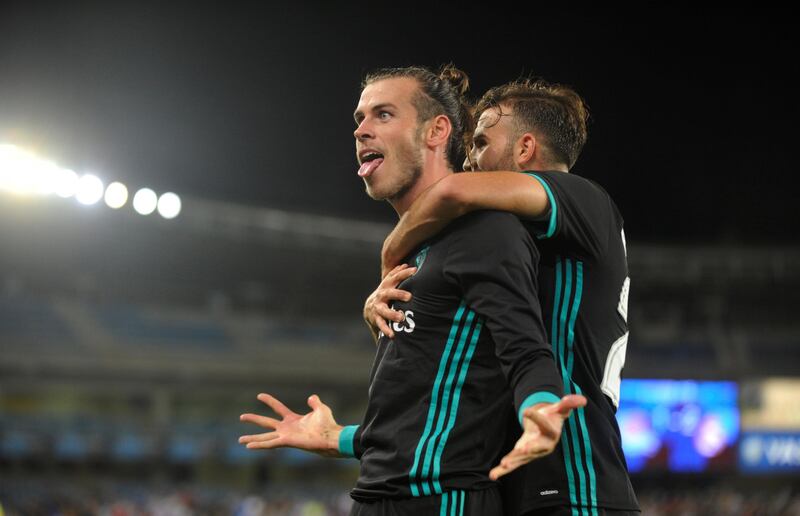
{"type": "Point", "coordinates": [503, 162]}
{"type": "Point", "coordinates": [408, 162]}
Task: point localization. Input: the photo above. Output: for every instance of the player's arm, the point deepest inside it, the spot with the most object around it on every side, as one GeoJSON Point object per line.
{"type": "Point", "coordinates": [316, 431]}
{"type": "Point", "coordinates": [541, 429]}
{"type": "Point", "coordinates": [456, 195]}
{"type": "Point", "coordinates": [495, 265]}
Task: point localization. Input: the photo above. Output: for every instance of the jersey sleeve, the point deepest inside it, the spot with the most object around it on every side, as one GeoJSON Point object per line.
{"type": "Point", "coordinates": [350, 442]}
{"type": "Point", "coordinates": [580, 217]}
{"type": "Point", "coordinates": [494, 262]}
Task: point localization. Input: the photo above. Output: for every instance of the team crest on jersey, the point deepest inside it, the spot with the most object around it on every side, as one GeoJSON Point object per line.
{"type": "Point", "coordinates": [420, 258]}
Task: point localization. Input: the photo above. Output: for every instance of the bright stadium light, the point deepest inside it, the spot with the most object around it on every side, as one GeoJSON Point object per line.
{"type": "Point", "coordinates": [145, 201]}
{"type": "Point", "coordinates": [116, 195]}
{"type": "Point", "coordinates": [90, 189]}
{"type": "Point", "coordinates": [23, 173]}
{"type": "Point", "coordinates": [169, 205]}
{"type": "Point", "coordinates": [65, 183]}
{"type": "Point", "coordinates": [12, 160]}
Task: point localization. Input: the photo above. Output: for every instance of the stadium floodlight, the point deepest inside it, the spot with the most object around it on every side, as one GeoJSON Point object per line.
{"type": "Point", "coordinates": [145, 201]}
{"type": "Point", "coordinates": [116, 195]}
{"type": "Point", "coordinates": [90, 189]}
{"type": "Point", "coordinates": [169, 205]}
{"type": "Point", "coordinates": [12, 160]}
{"type": "Point", "coordinates": [65, 183]}
{"type": "Point", "coordinates": [25, 174]}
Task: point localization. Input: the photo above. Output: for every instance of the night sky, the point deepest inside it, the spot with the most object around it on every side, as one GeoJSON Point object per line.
{"type": "Point", "coordinates": [694, 117]}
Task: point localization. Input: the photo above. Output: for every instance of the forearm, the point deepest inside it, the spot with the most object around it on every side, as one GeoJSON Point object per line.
{"type": "Point", "coordinates": [433, 210]}
{"type": "Point", "coordinates": [459, 194]}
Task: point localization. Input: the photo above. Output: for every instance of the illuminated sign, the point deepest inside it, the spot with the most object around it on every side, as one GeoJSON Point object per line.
{"type": "Point", "coordinates": [762, 452]}
{"type": "Point", "coordinates": [679, 425]}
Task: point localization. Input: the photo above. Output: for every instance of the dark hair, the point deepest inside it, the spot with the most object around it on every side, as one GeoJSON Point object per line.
{"type": "Point", "coordinates": [556, 112]}
{"type": "Point", "coordinates": [438, 94]}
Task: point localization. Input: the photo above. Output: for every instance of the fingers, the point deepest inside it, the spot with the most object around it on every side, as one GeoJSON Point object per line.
{"type": "Point", "coordinates": [315, 403]}
{"type": "Point", "coordinates": [522, 454]}
{"type": "Point", "coordinates": [384, 327]}
{"type": "Point", "coordinates": [266, 445]}
{"type": "Point", "coordinates": [398, 274]}
{"type": "Point", "coordinates": [269, 436]}
{"type": "Point", "coordinates": [566, 405]}
{"type": "Point", "coordinates": [571, 402]}
{"type": "Point", "coordinates": [383, 310]}
{"type": "Point", "coordinates": [273, 403]}
{"type": "Point", "coordinates": [394, 294]}
{"type": "Point", "coordinates": [386, 270]}
{"type": "Point", "coordinates": [508, 464]}
{"type": "Point", "coordinates": [262, 421]}
{"type": "Point", "coordinates": [543, 424]}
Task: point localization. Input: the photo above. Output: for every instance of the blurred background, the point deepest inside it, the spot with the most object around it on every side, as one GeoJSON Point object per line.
{"type": "Point", "coordinates": [182, 227]}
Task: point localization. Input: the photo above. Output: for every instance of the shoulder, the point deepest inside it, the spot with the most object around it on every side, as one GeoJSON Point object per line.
{"type": "Point", "coordinates": [481, 234]}
{"type": "Point", "coordinates": [488, 224]}
{"type": "Point", "coordinates": [568, 181]}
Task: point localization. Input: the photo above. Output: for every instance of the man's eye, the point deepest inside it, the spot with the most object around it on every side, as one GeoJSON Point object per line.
{"type": "Point", "coordinates": [384, 115]}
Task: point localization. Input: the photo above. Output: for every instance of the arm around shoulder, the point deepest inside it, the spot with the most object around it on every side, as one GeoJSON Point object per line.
{"type": "Point", "coordinates": [513, 192]}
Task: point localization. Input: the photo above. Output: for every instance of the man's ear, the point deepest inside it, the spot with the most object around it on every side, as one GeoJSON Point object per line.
{"type": "Point", "coordinates": [525, 149]}
{"type": "Point", "coordinates": [438, 131]}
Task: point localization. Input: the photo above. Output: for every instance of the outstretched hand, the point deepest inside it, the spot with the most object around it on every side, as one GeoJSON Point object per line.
{"type": "Point", "coordinates": [316, 431]}
{"type": "Point", "coordinates": [542, 426]}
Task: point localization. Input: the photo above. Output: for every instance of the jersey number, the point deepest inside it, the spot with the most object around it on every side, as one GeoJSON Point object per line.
{"type": "Point", "coordinates": [615, 360]}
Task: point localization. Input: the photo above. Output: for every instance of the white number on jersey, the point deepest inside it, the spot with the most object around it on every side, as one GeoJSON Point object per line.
{"type": "Point", "coordinates": [615, 360]}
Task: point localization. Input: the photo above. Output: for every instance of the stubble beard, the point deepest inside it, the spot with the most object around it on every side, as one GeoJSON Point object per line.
{"type": "Point", "coordinates": [409, 163]}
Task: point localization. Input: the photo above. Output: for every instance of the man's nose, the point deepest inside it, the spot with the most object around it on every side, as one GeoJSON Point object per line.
{"type": "Point", "coordinates": [469, 161]}
{"type": "Point", "coordinates": [362, 132]}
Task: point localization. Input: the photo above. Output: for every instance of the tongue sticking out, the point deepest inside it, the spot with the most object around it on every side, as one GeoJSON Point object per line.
{"type": "Point", "coordinates": [369, 167]}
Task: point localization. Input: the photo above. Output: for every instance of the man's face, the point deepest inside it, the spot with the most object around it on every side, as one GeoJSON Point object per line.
{"type": "Point", "coordinates": [388, 143]}
{"type": "Point", "coordinates": [493, 141]}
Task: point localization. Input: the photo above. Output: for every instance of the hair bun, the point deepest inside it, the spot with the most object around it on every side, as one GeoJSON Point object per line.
{"type": "Point", "coordinates": [457, 78]}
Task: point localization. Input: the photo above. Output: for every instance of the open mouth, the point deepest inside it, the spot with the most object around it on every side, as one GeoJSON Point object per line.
{"type": "Point", "coordinates": [369, 163]}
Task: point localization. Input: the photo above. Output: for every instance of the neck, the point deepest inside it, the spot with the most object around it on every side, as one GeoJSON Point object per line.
{"type": "Point", "coordinates": [539, 166]}
{"type": "Point", "coordinates": [434, 168]}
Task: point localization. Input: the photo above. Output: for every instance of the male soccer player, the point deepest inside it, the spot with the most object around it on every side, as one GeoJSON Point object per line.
{"type": "Point", "coordinates": [540, 128]}
{"type": "Point", "coordinates": [472, 342]}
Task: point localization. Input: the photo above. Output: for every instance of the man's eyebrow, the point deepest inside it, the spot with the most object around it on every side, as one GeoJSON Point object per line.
{"type": "Point", "coordinates": [374, 108]}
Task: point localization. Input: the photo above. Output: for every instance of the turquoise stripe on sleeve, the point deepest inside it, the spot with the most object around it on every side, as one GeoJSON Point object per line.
{"type": "Point", "coordinates": [437, 461]}
{"type": "Point", "coordinates": [430, 459]}
{"type": "Point", "coordinates": [551, 228]}
{"type": "Point", "coordinates": [433, 409]}
{"type": "Point", "coordinates": [443, 505]}
{"type": "Point", "coordinates": [461, 512]}
{"type": "Point", "coordinates": [346, 440]}
{"type": "Point", "coordinates": [537, 397]}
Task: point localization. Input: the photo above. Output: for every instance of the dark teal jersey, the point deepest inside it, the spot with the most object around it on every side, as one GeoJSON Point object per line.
{"type": "Point", "coordinates": [583, 292]}
{"type": "Point", "coordinates": [471, 352]}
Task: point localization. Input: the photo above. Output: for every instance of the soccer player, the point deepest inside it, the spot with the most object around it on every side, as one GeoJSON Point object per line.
{"type": "Point", "coordinates": [535, 131]}
{"type": "Point", "coordinates": [471, 347]}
